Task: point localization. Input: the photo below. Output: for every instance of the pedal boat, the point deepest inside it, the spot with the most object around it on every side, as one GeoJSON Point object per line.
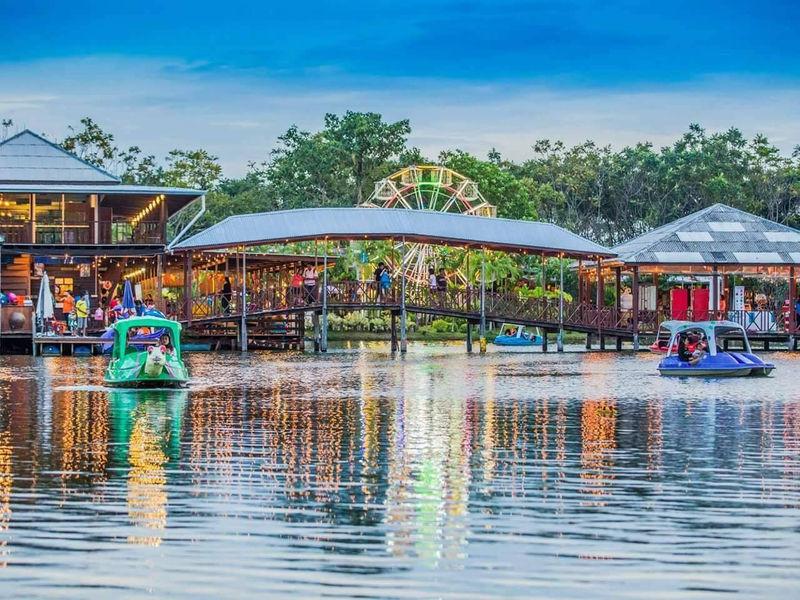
{"type": "Point", "coordinates": [517, 336]}
{"type": "Point", "coordinates": [142, 363]}
{"type": "Point", "coordinates": [715, 362]}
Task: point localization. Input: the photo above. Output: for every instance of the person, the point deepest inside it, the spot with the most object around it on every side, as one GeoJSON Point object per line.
{"type": "Point", "coordinates": [227, 293]}
{"type": "Point", "coordinates": [683, 351]}
{"type": "Point", "coordinates": [68, 308]}
{"type": "Point", "coordinates": [139, 307]}
{"type": "Point", "coordinates": [377, 277]}
{"type": "Point", "coordinates": [386, 283]}
{"type": "Point", "coordinates": [296, 288]}
{"type": "Point", "coordinates": [166, 341]}
{"type": "Point", "coordinates": [81, 314]}
{"type": "Point", "coordinates": [310, 283]}
{"type": "Point", "coordinates": [441, 285]}
{"type": "Point", "coordinates": [433, 285]}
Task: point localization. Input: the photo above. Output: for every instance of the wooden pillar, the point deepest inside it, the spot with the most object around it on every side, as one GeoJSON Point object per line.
{"type": "Point", "coordinates": [315, 324]}
{"type": "Point", "coordinates": [469, 336]}
{"type": "Point", "coordinates": [715, 291]}
{"type": "Point", "coordinates": [619, 343]}
{"type": "Point", "coordinates": [560, 339]}
{"type": "Point", "coordinates": [588, 341]}
{"type": "Point", "coordinates": [599, 293]}
{"type": "Point", "coordinates": [323, 339]}
{"type": "Point", "coordinates": [187, 287]}
{"type": "Point", "coordinates": [602, 342]}
{"type": "Point", "coordinates": [403, 313]}
{"type": "Point", "coordinates": [393, 330]}
{"type": "Point", "coordinates": [544, 340]}
{"type": "Point", "coordinates": [159, 283]}
{"type": "Point", "coordinates": [635, 293]}
{"type": "Point", "coordinates": [482, 341]}
{"type": "Point", "coordinates": [243, 308]}
{"type": "Point", "coordinates": [617, 286]}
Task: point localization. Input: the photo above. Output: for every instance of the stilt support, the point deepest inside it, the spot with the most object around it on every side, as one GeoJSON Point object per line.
{"type": "Point", "coordinates": [469, 337]}
{"type": "Point", "coordinates": [394, 331]}
{"type": "Point", "coordinates": [588, 341]}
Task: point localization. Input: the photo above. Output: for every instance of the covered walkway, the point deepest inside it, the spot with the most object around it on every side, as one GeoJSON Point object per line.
{"type": "Point", "coordinates": [241, 234]}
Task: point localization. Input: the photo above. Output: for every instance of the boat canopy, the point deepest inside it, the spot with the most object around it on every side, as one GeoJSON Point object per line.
{"type": "Point", "coordinates": [711, 329]}
{"type": "Point", "coordinates": [122, 327]}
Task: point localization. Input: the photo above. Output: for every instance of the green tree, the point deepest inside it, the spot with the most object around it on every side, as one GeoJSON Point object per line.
{"type": "Point", "coordinates": [92, 144]}
{"type": "Point", "coordinates": [192, 168]}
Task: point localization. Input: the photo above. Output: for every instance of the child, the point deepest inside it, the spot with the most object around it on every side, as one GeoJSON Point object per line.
{"type": "Point", "coordinates": [82, 314]}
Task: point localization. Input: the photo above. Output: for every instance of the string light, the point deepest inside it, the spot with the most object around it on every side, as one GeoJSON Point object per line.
{"type": "Point", "coordinates": [147, 209]}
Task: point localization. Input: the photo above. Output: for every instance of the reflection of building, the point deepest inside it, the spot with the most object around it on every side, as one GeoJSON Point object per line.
{"type": "Point", "coordinates": [6, 480]}
{"type": "Point", "coordinates": [598, 441]}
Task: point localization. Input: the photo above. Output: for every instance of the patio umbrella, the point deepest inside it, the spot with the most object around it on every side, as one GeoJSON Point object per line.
{"type": "Point", "coordinates": [44, 305]}
{"type": "Point", "coordinates": [128, 303]}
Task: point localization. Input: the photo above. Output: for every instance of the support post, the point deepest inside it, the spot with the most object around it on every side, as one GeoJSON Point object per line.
{"type": "Point", "coordinates": [482, 340]}
{"type": "Point", "coordinates": [469, 337]}
{"type": "Point", "coordinates": [560, 339]}
{"type": "Point", "coordinates": [715, 291]}
{"type": "Point", "coordinates": [187, 287]}
{"type": "Point", "coordinates": [323, 339]}
{"type": "Point", "coordinates": [315, 324]}
{"type": "Point", "coordinates": [600, 296]}
{"type": "Point", "coordinates": [403, 333]}
{"type": "Point", "coordinates": [635, 293]}
{"type": "Point", "coordinates": [243, 326]}
{"type": "Point", "coordinates": [159, 282]}
{"type": "Point", "coordinates": [588, 341]}
{"type": "Point", "coordinates": [544, 340]}
{"type": "Point", "coordinates": [394, 331]}
{"type": "Point", "coordinates": [792, 312]}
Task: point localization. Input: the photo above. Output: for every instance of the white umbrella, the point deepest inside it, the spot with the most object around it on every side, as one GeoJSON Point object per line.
{"type": "Point", "coordinates": [44, 305]}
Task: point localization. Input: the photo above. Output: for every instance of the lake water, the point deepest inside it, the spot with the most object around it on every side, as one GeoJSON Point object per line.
{"type": "Point", "coordinates": [434, 475]}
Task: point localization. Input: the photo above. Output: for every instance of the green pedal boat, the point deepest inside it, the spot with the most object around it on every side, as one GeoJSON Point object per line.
{"type": "Point", "coordinates": [151, 359]}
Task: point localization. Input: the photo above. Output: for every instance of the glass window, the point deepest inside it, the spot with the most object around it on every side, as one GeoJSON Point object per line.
{"type": "Point", "coordinates": [15, 207]}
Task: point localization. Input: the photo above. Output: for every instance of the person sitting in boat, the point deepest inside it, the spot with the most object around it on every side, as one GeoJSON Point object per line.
{"type": "Point", "coordinates": [700, 349]}
{"type": "Point", "coordinates": [166, 341]}
{"type": "Point", "coordinates": [683, 351]}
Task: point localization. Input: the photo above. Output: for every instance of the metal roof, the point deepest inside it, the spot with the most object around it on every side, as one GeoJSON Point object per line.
{"type": "Point", "coordinates": [146, 190]}
{"type": "Point", "coordinates": [720, 235]}
{"type": "Point", "coordinates": [385, 223]}
{"type": "Point", "coordinates": [30, 158]}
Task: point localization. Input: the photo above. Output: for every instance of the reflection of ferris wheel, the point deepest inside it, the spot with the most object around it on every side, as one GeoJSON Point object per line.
{"type": "Point", "coordinates": [428, 187]}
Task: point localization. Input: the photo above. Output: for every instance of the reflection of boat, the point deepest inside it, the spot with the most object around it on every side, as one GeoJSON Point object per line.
{"type": "Point", "coordinates": [663, 336]}
{"type": "Point", "coordinates": [710, 360]}
{"type": "Point", "coordinates": [515, 335]}
{"type": "Point", "coordinates": [146, 364]}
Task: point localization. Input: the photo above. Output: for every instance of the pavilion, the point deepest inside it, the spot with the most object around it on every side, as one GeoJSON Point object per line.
{"type": "Point", "coordinates": [710, 251]}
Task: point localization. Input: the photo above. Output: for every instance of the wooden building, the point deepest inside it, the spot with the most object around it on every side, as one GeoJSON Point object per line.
{"type": "Point", "coordinates": [78, 222]}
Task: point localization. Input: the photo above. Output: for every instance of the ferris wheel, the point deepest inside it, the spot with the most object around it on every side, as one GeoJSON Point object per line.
{"type": "Point", "coordinates": [428, 187]}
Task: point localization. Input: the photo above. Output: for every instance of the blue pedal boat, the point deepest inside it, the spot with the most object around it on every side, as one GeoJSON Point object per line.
{"type": "Point", "coordinates": [712, 361]}
{"type": "Point", "coordinates": [515, 335]}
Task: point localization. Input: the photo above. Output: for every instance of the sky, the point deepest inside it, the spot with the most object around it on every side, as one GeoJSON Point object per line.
{"type": "Point", "coordinates": [232, 76]}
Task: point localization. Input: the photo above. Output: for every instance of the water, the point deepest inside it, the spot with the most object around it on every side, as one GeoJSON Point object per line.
{"type": "Point", "coordinates": [437, 475]}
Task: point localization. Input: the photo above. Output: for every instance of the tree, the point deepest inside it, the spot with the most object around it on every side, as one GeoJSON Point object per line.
{"type": "Point", "coordinates": [367, 142]}
{"type": "Point", "coordinates": [511, 195]}
{"type": "Point", "coordinates": [192, 168]}
{"type": "Point", "coordinates": [92, 144]}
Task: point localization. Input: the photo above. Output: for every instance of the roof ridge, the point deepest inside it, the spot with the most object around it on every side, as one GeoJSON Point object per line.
{"type": "Point", "coordinates": [62, 150]}
{"type": "Point", "coordinates": [691, 217]}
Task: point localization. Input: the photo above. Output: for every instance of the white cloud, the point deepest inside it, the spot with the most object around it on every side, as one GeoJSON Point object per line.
{"type": "Point", "coordinates": [160, 105]}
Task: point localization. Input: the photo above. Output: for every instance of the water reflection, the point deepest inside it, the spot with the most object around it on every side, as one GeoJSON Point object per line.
{"type": "Point", "coordinates": [436, 474]}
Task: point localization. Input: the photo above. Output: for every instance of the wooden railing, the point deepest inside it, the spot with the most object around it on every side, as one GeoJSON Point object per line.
{"type": "Point", "coordinates": [458, 301]}
{"type": "Point", "coordinates": [83, 232]}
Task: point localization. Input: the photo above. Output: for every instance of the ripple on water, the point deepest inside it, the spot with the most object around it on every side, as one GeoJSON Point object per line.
{"type": "Point", "coordinates": [434, 474]}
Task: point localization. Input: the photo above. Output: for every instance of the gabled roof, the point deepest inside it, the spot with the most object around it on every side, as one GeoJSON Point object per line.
{"type": "Point", "coordinates": [720, 235]}
{"type": "Point", "coordinates": [390, 223]}
{"type": "Point", "coordinates": [30, 158]}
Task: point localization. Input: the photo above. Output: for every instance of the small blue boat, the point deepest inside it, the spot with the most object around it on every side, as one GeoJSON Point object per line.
{"type": "Point", "coordinates": [515, 335]}
{"type": "Point", "coordinates": [708, 358]}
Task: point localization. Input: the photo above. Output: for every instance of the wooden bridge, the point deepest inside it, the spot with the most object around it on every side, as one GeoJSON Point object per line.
{"type": "Point", "coordinates": [209, 312]}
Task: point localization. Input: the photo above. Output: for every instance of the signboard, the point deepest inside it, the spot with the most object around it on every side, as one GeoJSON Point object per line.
{"type": "Point", "coordinates": [738, 297]}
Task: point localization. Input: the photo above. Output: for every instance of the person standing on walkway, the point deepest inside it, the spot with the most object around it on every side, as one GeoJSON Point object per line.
{"type": "Point", "coordinates": [386, 284]}
{"type": "Point", "coordinates": [227, 293]}
{"type": "Point", "coordinates": [441, 285]}
{"type": "Point", "coordinates": [68, 308]}
{"type": "Point", "coordinates": [310, 284]}
{"type": "Point", "coordinates": [379, 270]}
{"type": "Point", "coordinates": [433, 285]}
{"type": "Point", "coordinates": [82, 314]}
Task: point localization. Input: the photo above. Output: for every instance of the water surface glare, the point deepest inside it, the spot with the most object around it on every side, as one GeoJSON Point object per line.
{"type": "Point", "coordinates": [434, 475]}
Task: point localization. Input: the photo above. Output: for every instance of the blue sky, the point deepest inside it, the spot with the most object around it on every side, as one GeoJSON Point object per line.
{"type": "Point", "coordinates": [231, 76]}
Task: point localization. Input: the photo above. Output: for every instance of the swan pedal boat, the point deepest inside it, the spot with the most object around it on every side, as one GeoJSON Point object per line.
{"type": "Point", "coordinates": [134, 365]}
{"type": "Point", "coordinates": [715, 362]}
{"type": "Point", "coordinates": [518, 338]}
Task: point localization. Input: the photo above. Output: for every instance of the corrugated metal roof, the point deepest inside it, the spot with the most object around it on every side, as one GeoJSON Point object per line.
{"type": "Point", "coordinates": [720, 234]}
{"type": "Point", "coordinates": [379, 223]}
{"type": "Point", "coordinates": [86, 188]}
{"type": "Point", "coordinates": [29, 158]}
